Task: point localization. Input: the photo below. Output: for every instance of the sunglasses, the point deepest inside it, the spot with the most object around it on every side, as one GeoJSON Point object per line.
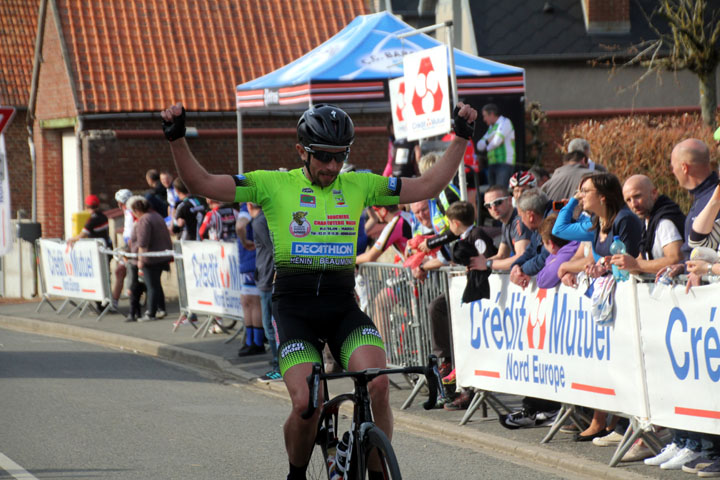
{"type": "Point", "coordinates": [327, 157]}
{"type": "Point", "coordinates": [495, 203]}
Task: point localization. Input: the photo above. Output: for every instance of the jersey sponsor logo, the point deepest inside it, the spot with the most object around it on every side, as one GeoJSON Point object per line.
{"type": "Point", "coordinates": [292, 348]}
{"type": "Point", "coordinates": [337, 192]}
{"type": "Point", "coordinates": [299, 226]}
{"type": "Point", "coordinates": [308, 190]}
{"type": "Point", "coordinates": [339, 200]}
{"type": "Point", "coordinates": [307, 201]}
{"type": "Point", "coordinates": [323, 249]}
{"type": "Point", "coordinates": [392, 183]}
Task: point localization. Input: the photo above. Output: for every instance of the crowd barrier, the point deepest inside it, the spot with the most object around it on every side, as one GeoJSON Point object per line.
{"type": "Point", "coordinates": [78, 273]}
{"type": "Point", "coordinates": [658, 362]}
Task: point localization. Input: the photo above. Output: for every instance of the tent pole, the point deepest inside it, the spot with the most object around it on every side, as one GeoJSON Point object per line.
{"type": "Point", "coordinates": [239, 141]}
{"type": "Point", "coordinates": [453, 82]}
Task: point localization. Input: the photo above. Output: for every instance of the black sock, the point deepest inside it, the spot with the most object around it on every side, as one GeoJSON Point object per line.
{"type": "Point", "coordinates": [375, 475]}
{"type": "Point", "coordinates": [297, 473]}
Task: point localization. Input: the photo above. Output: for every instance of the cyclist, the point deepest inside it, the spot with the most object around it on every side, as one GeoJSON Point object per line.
{"type": "Point", "coordinates": [313, 214]}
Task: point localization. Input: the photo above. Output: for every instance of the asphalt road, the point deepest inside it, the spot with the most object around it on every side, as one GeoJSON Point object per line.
{"type": "Point", "coordinates": [74, 410]}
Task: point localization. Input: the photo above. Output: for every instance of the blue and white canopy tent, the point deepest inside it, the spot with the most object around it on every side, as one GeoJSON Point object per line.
{"type": "Point", "coordinates": [355, 65]}
{"type": "Point", "coordinates": [352, 70]}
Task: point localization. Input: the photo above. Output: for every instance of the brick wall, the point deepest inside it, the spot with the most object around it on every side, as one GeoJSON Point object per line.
{"type": "Point", "coordinates": [607, 10]}
{"type": "Point", "coordinates": [48, 147]}
{"type": "Point", "coordinates": [19, 165]}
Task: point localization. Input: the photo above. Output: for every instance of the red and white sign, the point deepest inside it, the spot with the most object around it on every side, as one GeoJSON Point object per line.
{"type": "Point", "coordinates": [396, 87]}
{"type": "Point", "coordinates": [427, 94]}
{"type": "Point", "coordinates": [6, 234]}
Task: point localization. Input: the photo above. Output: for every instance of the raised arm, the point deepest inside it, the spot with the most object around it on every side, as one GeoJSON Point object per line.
{"type": "Point", "coordinates": [703, 223]}
{"type": "Point", "coordinates": [431, 183]}
{"type": "Point", "coordinates": [196, 178]}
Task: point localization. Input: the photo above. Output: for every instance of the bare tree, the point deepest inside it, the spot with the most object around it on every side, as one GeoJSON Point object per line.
{"type": "Point", "coordinates": [691, 41]}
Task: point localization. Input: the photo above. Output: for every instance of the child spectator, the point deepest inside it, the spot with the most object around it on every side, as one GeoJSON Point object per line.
{"type": "Point", "coordinates": [560, 251]}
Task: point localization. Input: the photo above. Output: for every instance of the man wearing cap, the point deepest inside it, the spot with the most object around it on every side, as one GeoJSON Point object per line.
{"type": "Point", "coordinates": [96, 226]}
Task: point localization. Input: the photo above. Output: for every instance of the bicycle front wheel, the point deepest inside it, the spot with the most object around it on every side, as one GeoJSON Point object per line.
{"type": "Point", "coordinates": [377, 454]}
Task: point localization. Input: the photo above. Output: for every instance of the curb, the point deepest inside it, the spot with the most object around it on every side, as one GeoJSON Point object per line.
{"type": "Point", "coordinates": [500, 446]}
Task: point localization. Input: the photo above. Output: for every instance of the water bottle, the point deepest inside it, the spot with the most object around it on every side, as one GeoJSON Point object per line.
{"type": "Point", "coordinates": [618, 248]}
{"type": "Point", "coordinates": [333, 472]}
{"type": "Point", "coordinates": [341, 455]}
{"type": "Point", "coordinates": [662, 286]}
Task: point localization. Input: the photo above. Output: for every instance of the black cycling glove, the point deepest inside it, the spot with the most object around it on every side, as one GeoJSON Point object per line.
{"type": "Point", "coordinates": [461, 127]}
{"type": "Point", "coordinates": [175, 129]}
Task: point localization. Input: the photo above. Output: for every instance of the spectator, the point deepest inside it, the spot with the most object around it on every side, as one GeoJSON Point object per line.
{"type": "Point", "coordinates": [150, 235]}
{"type": "Point", "coordinates": [472, 242]}
{"type": "Point", "coordinates": [121, 197]}
{"type": "Point", "coordinates": [250, 296]}
{"type": "Point", "coordinates": [602, 196]}
{"type": "Point", "coordinates": [157, 195]}
{"type": "Point", "coordinates": [582, 145]}
{"type": "Point", "coordinates": [565, 179]}
{"type": "Point", "coordinates": [532, 208]}
{"type": "Point", "coordinates": [541, 175]}
{"type": "Point", "coordinates": [219, 222]}
{"type": "Point", "coordinates": [560, 251]}
{"type": "Point", "coordinates": [96, 226]}
{"type": "Point", "coordinates": [499, 143]}
{"type": "Point", "coordinates": [662, 228]}
{"type": "Point", "coordinates": [264, 273]}
{"type": "Point", "coordinates": [189, 213]}
{"type": "Point", "coordinates": [172, 198]}
{"type": "Point", "coordinates": [515, 236]}
{"type": "Point", "coordinates": [396, 233]}
{"type": "Point", "coordinates": [403, 156]}
{"type": "Point", "coordinates": [519, 182]}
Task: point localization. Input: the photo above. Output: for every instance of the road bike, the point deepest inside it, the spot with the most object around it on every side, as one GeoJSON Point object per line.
{"type": "Point", "coordinates": [364, 443]}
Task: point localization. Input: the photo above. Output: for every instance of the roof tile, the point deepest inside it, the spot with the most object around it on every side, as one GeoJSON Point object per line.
{"type": "Point", "coordinates": [196, 51]}
{"type": "Point", "coordinates": [18, 27]}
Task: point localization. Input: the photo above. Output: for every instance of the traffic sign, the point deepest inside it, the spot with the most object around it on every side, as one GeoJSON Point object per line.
{"type": "Point", "coordinates": [6, 115]}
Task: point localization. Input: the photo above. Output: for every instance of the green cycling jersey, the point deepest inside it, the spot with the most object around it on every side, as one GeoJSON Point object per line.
{"type": "Point", "coordinates": [314, 229]}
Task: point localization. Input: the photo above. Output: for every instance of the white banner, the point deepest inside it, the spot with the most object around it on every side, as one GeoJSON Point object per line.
{"type": "Point", "coordinates": [212, 278]}
{"type": "Point", "coordinates": [396, 88]}
{"type": "Point", "coordinates": [6, 233]}
{"type": "Point", "coordinates": [78, 272]}
{"type": "Point", "coordinates": [427, 95]}
{"type": "Point", "coordinates": [544, 343]}
{"type": "Point", "coordinates": [682, 357]}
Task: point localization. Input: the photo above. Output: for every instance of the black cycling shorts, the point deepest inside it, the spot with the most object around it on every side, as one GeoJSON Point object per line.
{"type": "Point", "coordinates": [304, 323]}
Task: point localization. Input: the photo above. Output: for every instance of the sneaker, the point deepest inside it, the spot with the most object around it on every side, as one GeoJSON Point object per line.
{"type": "Point", "coordinates": [462, 402]}
{"type": "Point", "coordinates": [570, 428]}
{"type": "Point", "coordinates": [612, 439]}
{"type": "Point", "coordinates": [639, 451]}
{"type": "Point", "coordinates": [114, 306]}
{"type": "Point", "coordinates": [681, 458]}
{"type": "Point", "coordinates": [160, 314]}
{"type": "Point", "coordinates": [712, 470]}
{"type": "Point", "coordinates": [445, 368]}
{"type": "Point", "coordinates": [271, 376]}
{"type": "Point", "coordinates": [146, 318]}
{"type": "Point", "coordinates": [665, 454]}
{"type": "Point", "coordinates": [524, 419]}
{"type": "Point", "coordinates": [698, 464]}
{"type": "Point", "coordinates": [247, 350]}
{"type": "Point", "coordinates": [130, 318]}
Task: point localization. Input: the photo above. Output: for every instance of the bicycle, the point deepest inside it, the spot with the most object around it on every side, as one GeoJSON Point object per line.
{"type": "Point", "coordinates": [364, 437]}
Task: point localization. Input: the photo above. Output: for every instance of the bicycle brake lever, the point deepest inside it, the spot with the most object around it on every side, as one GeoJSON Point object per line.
{"type": "Point", "coordinates": [313, 381]}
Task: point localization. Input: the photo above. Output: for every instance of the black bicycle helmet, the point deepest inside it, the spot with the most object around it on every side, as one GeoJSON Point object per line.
{"type": "Point", "coordinates": [325, 125]}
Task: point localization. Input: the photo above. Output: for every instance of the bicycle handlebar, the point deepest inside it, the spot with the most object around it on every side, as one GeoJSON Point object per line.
{"type": "Point", "coordinates": [430, 371]}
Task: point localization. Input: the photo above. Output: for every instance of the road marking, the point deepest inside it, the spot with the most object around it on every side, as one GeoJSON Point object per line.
{"type": "Point", "coordinates": [14, 469]}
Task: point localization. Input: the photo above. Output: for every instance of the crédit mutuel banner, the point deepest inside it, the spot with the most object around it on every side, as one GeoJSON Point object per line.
{"type": "Point", "coordinates": [682, 357]}
{"type": "Point", "coordinates": [544, 343]}
{"type": "Point", "coordinates": [74, 271]}
{"type": "Point", "coordinates": [212, 278]}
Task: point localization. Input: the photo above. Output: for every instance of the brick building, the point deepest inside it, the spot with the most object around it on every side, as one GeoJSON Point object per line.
{"type": "Point", "coordinates": [104, 74]}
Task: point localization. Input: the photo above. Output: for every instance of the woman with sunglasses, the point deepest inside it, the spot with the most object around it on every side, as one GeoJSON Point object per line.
{"type": "Point", "coordinates": [601, 196]}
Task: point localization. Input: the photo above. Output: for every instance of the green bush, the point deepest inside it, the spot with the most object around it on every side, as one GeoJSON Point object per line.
{"type": "Point", "coordinates": [642, 144]}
